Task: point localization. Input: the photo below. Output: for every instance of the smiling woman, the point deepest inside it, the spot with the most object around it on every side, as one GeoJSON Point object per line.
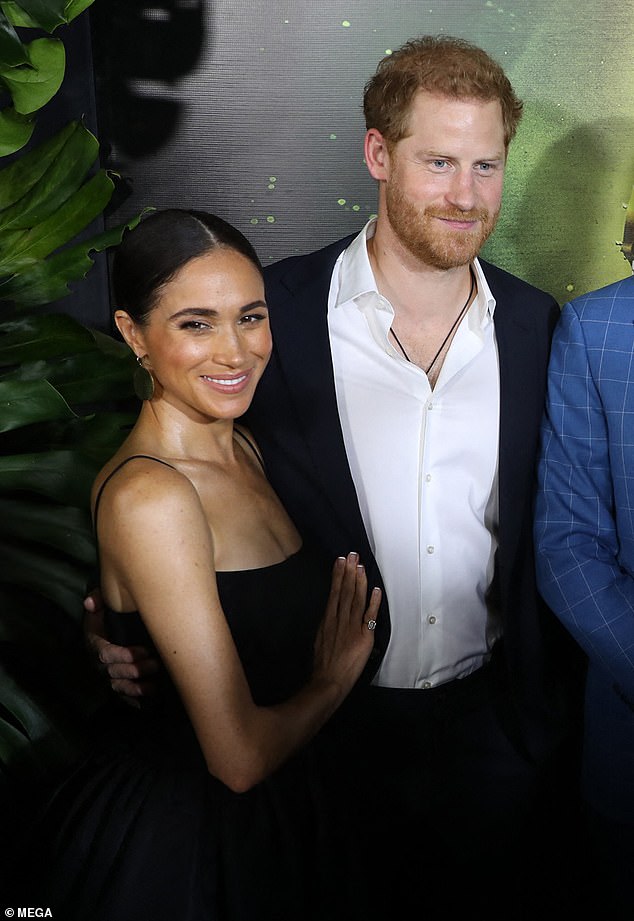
{"type": "Point", "coordinates": [209, 327]}
{"type": "Point", "coordinates": [260, 643]}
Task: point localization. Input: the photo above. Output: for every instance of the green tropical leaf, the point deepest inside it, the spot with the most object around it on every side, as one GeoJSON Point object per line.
{"type": "Point", "coordinates": [62, 475]}
{"type": "Point", "coordinates": [66, 529]}
{"type": "Point", "coordinates": [115, 380]}
{"type": "Point", "coordinates": [97, 437]}
{"type": "Point", "coordinates": [81, 378]}
{"type": "Point", "coordinates": [60, 368]}
{"type": "Point", "coordinates": [26, 402]}
{"type": "Point", "coordinates": [17, 16]}
{"type": "Point", "coordinates": [76, 213]}
{"type": "Point", "coordinates": [33, 339]}
{"type": "Point", "coordinates": [45, 14]}
{"type": "Point", "coordinates": [34, 84]}
{"type": "Point", "coordinates": [10, 238]}
{"type": "Point", "coordinates": [109, 345]}
{"type": "Point", "coordinates": [49, 453]}
{"type": "Point", "coordinates": [31, 718]}
{"type": "Point", "coordinates": [21, 175]}
{"type": "Point", "coordinates": [15, 131]}
{"type": "Point", "coordinates": [113, 236]}
{"type": "Point", "coordinates": [40, 337]}
{"type": "Point", "coordinates": [48, 280]}
{"type": "Point", "coordinates": [15, 746]}
{"type": "Point", "coordinates": [64, 174]}
{"type": "Point", "coordinates": [74, 7]}
{"type": "Point", "coordinates": [58, 580]}
{"type": "Point", "coordinates": [21, 706]}
{"type": "Point", "coordinates": [12, 51]}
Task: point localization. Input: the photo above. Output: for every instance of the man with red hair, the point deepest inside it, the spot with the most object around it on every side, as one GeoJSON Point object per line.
{"type": "Point", "coordinates": [399, 415]}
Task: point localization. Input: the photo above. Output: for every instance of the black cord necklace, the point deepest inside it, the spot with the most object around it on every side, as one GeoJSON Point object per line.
{"type": "Point", "coordinates": [446, 339]}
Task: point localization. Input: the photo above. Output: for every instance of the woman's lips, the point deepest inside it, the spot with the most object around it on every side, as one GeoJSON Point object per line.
{"type": "Point", "coordinates": [225, 384]}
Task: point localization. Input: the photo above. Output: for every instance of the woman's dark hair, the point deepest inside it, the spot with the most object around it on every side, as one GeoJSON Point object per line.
{"type": "Point", "coordinates": [152, 253]}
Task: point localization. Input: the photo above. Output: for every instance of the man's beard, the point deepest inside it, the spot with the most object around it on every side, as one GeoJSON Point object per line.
{"type": "Point", "coordinates": [422, 235]}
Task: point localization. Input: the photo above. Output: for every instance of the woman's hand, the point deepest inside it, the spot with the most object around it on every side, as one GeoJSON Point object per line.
{"type": "Point", "coordinates": [346, 634]}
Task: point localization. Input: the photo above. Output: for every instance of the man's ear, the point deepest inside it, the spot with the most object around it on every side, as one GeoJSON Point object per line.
{"type": "Point", "coordinates": [377, 156]}
{"type": "Point", "coordinates": [131, 332]}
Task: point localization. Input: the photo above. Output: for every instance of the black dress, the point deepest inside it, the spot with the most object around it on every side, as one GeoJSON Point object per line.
{"type": "Point", "coordinates": [141, 831]}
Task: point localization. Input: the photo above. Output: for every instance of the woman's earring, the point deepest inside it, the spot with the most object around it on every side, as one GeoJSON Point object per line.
{"type": "Point", "coordinates": [143, 382]}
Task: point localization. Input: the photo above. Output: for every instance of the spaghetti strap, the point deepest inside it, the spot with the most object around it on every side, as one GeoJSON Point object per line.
{"type": "Point", "coordinates": [116, 469]}
{"type": "Point", "coordinates": [239, 432]}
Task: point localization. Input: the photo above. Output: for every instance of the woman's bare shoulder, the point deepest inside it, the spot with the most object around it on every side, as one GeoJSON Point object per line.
{"type": "Point", "coordinates": [141, 482]}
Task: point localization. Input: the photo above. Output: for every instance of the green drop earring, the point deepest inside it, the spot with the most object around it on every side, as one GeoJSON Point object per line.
{"type": "Point", "coordinates": [143, 382]}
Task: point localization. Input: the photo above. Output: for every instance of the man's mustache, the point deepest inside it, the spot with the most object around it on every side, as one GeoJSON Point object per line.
{"type": "Point", "coordinates": [455, 214]}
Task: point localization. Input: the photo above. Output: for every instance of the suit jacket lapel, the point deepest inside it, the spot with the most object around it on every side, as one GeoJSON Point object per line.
{"type": "Point", "coordinates": [300, 331]}
{"type": "Point", "coordinates": [301, 342]}
{"type": "Point", "coordinates": [520, 413]}
{"type": "Point", "coordinates": [514, 375]}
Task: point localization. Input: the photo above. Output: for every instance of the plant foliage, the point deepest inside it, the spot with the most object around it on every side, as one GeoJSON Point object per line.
{"type": "Point", "coordinates": [59, 387]}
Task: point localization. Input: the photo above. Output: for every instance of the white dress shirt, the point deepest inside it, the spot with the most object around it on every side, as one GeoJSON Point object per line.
{"type": "Point", "coordinates": [424, 464]}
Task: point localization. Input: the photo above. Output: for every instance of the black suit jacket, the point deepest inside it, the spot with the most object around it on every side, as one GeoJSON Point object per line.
{"type": "Point", "coordinates": [295, 420]}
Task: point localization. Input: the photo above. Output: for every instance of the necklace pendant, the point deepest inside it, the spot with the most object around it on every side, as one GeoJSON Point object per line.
{"type": "Point", "coordinates": [454, 326]}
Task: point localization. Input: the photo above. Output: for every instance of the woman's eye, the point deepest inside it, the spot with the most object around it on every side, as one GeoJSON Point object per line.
{"type": "Point", "coordinates": [252, 318]}
{"type": "Point", "coordinates": [194, 324]}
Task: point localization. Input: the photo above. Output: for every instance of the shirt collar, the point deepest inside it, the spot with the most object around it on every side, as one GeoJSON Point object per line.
{"type": "Point", "coordinates": [357, 283]}
{"type": "Point", "coordinates": [356, 277]}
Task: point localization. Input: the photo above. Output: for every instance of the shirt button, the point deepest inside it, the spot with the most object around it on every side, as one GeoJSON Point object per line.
{"type": "Point", "coordinates": [432, 619]}
{"type": "Point", "coordinates": [426, 684]}
{"type": "Point", "coordinates": [428, 478]}
{"type": "Point", "coordinates": [430, 406]}
{"type": "Point", "coordinates": [430, 548]}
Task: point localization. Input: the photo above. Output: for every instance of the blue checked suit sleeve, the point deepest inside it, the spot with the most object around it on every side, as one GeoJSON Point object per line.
{"type": "Point", "coordinates": [584, 526]}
